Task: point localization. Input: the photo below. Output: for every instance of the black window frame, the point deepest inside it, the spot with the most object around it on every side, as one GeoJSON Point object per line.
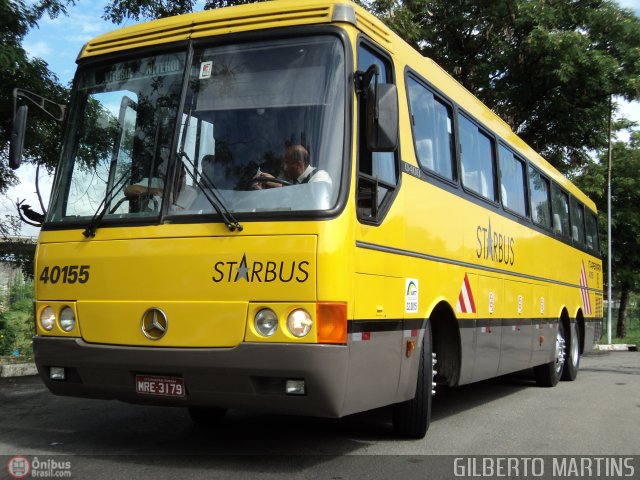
{"type": "Point", "coordinates": [555, 187]}
{"type": "Point", "coordinates": [596, 238]}
{"type": "Point", "coordinates": [549, 227]}
{"type": "Point", "coordinates": [575, 203]}
{"type": "Point", "coordinates": [438, 97]}
{"type": "Point", "coordinates": [494, 157]}
{"type": "Point", "coordinates": [525, 183]}
{"type": "Point", "coordinates": [367, 182]}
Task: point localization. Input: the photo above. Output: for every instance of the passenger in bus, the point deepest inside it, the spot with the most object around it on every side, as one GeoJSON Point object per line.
{"type": "Point", "coordinates": [145, 187]}
{"type": "Point", "coordinates": [145, 195]}
{"type": "Point", "coordinates": [186, 193]}
{"type": "Point", "coordinates": [296, 170]}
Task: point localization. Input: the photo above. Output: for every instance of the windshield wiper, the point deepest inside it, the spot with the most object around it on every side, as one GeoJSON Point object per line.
{"type": "Point", "coordinates": [90, 231]}
{"type": "Point", "coordinates": [210, 193]}
{"type": "Point", "coordinates": [216, 202]}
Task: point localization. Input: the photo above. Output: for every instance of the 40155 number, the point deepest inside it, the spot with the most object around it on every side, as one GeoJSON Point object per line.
{"type": "Point", "coordinates": [65, 274]}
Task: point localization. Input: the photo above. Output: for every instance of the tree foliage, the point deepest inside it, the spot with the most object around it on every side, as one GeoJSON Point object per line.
{"type": "Point", "coordinates": [42, 142]}
{"type": "Point", "coordinates": [547, 67]}
{"type": "Point", "coordinates": [625, 215]}
{"type": "Point", "coordinates": [119, 10]}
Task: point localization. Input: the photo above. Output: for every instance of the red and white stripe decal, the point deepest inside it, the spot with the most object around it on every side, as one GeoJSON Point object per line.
{"type": "Point", "coordinates": [584, 291]}
{"type": "Point", "coordinates": [466, 303]}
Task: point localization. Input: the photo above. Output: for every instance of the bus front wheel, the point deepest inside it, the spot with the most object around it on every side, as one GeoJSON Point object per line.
{"type": "Point", "coordinates": [411, 418]}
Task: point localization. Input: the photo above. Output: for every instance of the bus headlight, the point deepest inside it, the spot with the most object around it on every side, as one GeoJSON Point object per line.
{"type": "Point", "coordinates": [47, 318]}
{"type": "Point", "coordinates": [67, 319]}
{"type": "Point", "coordinates": [299, 322]}
{"type": "Point", "coordinates": [266, 322]}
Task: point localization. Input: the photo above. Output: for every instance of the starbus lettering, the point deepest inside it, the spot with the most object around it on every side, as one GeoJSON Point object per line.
{"type": "Point", "coordinates": [495, 246]}
{"type": "Point", "coordinates": [260, 271]}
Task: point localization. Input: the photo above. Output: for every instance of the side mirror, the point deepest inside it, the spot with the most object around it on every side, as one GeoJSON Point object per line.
{"type": "Point", "coordinates": [382, 117]}
{"type": "Point", "coordinates": [17, 137]}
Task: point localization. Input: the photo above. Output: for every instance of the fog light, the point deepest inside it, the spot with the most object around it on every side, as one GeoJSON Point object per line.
{"type": "Point", "coordinates": [299, 322]}
{"type": "Point", "coordinates": [295, 387]}
{"type": "Point", "coordinates": [266, 322]}
{"type": "Point", "coordinates": [47, 318]}
{"type": "Point", "coordinates": [57, 373]}
{"type": "Point", "coordinates": [67, 319]}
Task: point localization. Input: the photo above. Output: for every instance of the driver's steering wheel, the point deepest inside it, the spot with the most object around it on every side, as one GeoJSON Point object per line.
{"type": "Point", "coordinates": [271, 179]}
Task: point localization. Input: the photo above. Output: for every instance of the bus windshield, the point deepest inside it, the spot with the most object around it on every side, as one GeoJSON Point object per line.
{"type": "Point", "coordinates": [257, 117]}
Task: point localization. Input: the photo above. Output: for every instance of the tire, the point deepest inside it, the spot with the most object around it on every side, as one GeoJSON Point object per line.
{"type": "Point", "coordinates": [411, 418]}
{"type": "Point", "coordinates": [549, 374]}
{"type": "Point", "coordinates": [572, 360]}
{"type": "Point", "coordinates": [206, 416]}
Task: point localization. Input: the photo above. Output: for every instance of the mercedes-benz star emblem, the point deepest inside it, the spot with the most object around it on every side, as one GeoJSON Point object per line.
{"type": "Point", "coordinates": [154, 324]}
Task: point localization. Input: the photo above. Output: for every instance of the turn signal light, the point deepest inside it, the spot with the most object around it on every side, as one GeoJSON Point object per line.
{"type": "Point", "coordinates": [332, 323]}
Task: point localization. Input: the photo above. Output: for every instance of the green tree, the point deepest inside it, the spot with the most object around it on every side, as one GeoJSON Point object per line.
{"type": "Point", "coordinates": [18, 70]}
{"type": "Point", "coordinates": [545, 66]}
{"type": "Point", "coordinates": [625, 224]}
{"type": "Point", "coordinates": [119, 10]}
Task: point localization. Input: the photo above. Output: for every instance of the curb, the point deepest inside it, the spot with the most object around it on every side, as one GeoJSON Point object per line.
{"type": "Point", "coordinates": [18, 370]}
{"type": "Point", "coordinates": [616, 347]}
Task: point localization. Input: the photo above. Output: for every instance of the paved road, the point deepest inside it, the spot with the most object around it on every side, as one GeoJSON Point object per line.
{"type": "Point", "coordinates": [598, 414]}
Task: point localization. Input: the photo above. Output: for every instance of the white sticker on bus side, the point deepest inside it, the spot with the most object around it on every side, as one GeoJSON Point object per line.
{"type": "Point", "coordinates": [205, 70]}
{"type": "Point", "coordinates": [411, 295]}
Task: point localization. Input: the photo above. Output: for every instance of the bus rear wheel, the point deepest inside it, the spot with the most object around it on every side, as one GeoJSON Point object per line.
{"type": "Point", "coordinates": [572, 360]}
{"type": "Point", "coordinates": [549, 374]}
{"type": "Point", "coordinates": [411, 418]}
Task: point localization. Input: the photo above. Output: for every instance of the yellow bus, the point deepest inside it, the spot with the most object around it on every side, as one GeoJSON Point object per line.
{"type": "Point", "coordinates": [283, 207]}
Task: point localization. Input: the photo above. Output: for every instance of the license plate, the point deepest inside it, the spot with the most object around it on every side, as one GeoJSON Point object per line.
{"type": "Point", "coordinates": [159, 385]}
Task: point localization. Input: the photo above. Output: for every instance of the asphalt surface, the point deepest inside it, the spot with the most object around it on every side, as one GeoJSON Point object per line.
{"type": "Point", "coordinates": [596, 415]}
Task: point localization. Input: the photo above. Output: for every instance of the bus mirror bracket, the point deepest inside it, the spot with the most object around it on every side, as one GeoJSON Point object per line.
{"type": "Point", "coordinates": [19, 124]}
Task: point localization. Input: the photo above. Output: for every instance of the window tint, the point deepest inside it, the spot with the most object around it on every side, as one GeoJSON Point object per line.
{"type": "Point", "coordinates": [432, 130]}
{"type": "Point", "coordinates": [560, 205]}
{"type": "Point", "coordinates": [577, 222]}
{"type": "Point", "coordinates": [592, 232]}
{"type": "Point", "coordinates": [512, 182]}
{"type": "Point", "coordinates": [540, 204]}
{"type": "Point", "coordinates": [476, 150]}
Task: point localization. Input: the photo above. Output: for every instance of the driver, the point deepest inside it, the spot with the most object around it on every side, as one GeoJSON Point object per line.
{"type": "Point", "coordinates": [296, 169]}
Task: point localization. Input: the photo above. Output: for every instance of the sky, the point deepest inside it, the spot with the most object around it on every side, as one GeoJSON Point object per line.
{"type": "Point", "coordinates": [58, 41]}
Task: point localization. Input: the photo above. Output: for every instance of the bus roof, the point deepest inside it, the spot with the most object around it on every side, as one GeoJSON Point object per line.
{"type": "Point", "coordinates": [279, 13]}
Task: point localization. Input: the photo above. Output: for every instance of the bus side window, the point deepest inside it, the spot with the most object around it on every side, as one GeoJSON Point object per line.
{"type": "Point", "coordinates": [591, 223]}
{"type": "Point", "coordinates": [512, 182]}
{"type": "Point", "coordinates": [477, 159]}
{"type": "Point", "coordinates": [432, 125]}
{"type": "Point", "coordinates": [560, 207]}
{"type": "Point", "coordinates": [378, 172]}
{"type": "Point", "coordinates": [540, 198]}
{"type": "Point", "coordinates": [577, 222]}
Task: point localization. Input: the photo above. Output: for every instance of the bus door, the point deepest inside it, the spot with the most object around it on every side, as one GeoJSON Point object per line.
{"type": "Point", "coordinates": [376, 336]}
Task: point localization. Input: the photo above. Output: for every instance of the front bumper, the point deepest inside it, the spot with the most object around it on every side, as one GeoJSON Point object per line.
{"type": "Point", "coordinates": [249, 376]}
